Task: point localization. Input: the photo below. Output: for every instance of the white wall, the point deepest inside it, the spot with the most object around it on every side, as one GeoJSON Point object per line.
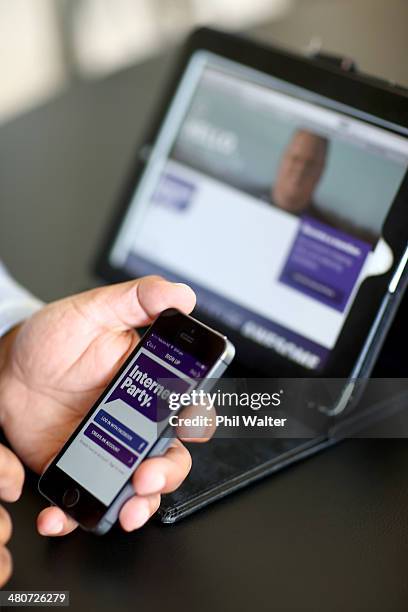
{"type": "Point", "coordinates": [104, 34]}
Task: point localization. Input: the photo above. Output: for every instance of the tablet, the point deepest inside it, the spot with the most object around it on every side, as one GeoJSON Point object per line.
{"type": "Point", "coordinates": [277, 187]}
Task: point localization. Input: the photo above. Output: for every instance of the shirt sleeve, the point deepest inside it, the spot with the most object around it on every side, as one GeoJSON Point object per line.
{"type": "Point", "coordinates": [16, 303]}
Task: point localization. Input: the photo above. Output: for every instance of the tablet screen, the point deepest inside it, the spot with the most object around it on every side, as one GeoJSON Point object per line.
{"type": "Point", "coordinates": [269, 200]}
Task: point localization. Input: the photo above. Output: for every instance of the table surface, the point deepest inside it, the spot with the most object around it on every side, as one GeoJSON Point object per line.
{"type": "Point", "coordinates": [328, 534]}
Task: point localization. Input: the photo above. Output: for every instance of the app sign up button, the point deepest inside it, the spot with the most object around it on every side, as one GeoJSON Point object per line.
{"type": "Point", "coordinates": [111, 446]}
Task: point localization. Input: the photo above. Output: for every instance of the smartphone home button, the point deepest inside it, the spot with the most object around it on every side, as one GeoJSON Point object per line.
{"type": "Point", "coordinates": [70, 498]}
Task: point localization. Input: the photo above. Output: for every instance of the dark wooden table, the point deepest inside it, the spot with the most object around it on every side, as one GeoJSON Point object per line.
{"type": "Point", "coordinates": [329, 534]}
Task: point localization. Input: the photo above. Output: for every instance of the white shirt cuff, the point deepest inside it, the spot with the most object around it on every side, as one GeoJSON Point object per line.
{"type": "Point", "coordinates": [16, 311]}
{"type": "Point", "coordinates": [16, 303]}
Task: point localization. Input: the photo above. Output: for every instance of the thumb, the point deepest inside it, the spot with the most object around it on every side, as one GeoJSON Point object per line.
{"type": "Point", "coordinates": [135, 303]}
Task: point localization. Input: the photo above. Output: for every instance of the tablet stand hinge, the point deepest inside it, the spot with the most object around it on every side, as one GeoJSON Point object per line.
{"type": "Point", "coordinates": [344, 63]}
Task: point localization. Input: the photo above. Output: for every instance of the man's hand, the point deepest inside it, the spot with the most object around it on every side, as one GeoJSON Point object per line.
{"type": "Point", "coordinates": [56, 365]}
{"type": "Point", "coordinates": [11, 484]}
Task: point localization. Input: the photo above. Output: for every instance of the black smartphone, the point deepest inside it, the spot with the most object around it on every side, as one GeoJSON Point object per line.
{"type": "Point", "coordinates": [90, 477]}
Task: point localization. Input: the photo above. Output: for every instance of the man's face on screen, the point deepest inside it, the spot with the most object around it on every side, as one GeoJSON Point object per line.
{"type": "Point", "coordinates": [299, 172]}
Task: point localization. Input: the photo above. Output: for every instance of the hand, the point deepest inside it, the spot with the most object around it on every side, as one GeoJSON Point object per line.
{"type": "Point", "coordinates": [58, 363]}
{"type": "Point", "coordinates": [11, 484]}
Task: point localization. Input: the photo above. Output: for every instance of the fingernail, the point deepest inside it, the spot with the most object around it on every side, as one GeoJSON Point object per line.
{"type": "Point", "coordinates": [184, 286]}
{"type": "Point", "coordinates": [55, 527]}
{"type": "Point", "coordinates": [194, 433]}
{"type": "Point", "coordinates": [138, 517]}
{"type": "Point", "coordinates": [10, 494]}
{"type": "Point", "coordinates": [141, 515]}
{"type": "Point", "coordinates": [198, 432]}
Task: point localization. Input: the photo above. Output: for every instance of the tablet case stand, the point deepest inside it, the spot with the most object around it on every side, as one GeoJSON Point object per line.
{"type": "Point", "coordinates": [224, 466]}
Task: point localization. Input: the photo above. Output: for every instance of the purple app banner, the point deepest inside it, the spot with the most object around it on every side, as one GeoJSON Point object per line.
{"type": "Point", "coordinates": [143, 389]}
{"type": "Point", "coordinates": [110, 445]}
{"type": "Point", "coordinates": [174, 193]}
{"type": "Point", "coordinates": [324, 263]}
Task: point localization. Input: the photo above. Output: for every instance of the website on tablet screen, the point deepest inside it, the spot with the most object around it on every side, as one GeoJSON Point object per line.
{"type": "Point", "coordinates": [269, 204]}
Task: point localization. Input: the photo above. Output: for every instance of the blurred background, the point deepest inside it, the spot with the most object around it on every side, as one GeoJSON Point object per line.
{"type": "Point", "coordinates": [47, 44]}
{"type": "Point", "coordinates": [79, 81]}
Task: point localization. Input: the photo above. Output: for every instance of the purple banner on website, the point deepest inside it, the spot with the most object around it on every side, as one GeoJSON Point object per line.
{"type": "Point", "coordinates": [324, 263]}
{"type": "Point", "coordinates": [174, 193]}
{"type": "Point", "coordinates": [140, 388]}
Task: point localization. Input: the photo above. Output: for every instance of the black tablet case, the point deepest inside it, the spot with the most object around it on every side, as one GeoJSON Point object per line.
{"type": "Point", "coordinates": [224, 466]}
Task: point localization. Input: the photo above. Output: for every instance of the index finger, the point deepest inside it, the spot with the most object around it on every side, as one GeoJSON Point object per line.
{"type": "Point", "coordinates": [196, 423]}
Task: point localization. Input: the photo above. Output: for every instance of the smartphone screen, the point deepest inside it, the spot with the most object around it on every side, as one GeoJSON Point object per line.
{"type": "Point", "coordinates": [126, 422]}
